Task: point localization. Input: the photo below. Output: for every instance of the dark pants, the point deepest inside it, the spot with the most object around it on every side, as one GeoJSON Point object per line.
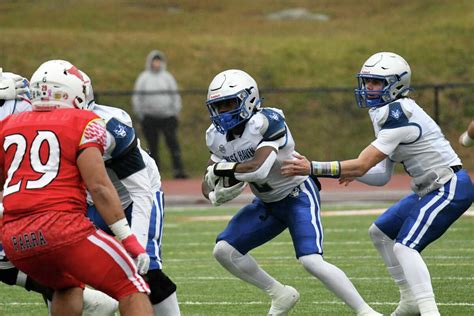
{"type": "Point", "coordinates": [152, 128]}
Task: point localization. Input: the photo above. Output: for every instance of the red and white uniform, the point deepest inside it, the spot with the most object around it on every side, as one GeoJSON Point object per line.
{"type": "Point", "coordinates": [46, 233]}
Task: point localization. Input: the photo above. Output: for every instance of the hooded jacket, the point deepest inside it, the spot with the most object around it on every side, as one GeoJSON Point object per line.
{"type": "Point", "coordinates": [160, 105]}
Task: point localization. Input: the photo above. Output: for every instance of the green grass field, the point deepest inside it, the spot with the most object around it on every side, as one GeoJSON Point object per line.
{"type": "Point", "coordinates": [109, 40]}
{"type": "Point", "coordinates": [204, 288]}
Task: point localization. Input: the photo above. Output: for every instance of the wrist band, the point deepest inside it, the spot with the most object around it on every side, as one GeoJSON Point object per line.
{"type": "Point", "coordinates": [225, 169]}
{"type": "Point", "coordinates": [326, 168]}
{"type": "Point", "coordinates": [121, 229]}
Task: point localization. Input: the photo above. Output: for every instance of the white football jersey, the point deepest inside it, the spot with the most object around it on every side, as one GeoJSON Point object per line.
{"type": "Point", "coordinates": [410, 136]}
{"type": "Point", "coordinates": [268, 124]}
{"type": "Point", "coordinates": [152, 170]}
{"type": "Point", "coordinates": [8, 107]}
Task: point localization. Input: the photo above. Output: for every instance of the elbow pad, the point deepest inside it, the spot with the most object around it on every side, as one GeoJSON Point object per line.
{"type": "Point", "coordinates": [261, 173]}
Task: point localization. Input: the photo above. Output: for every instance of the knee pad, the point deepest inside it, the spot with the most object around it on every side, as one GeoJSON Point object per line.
{"type": "Point", "coordinates": [377, 235]}
{"type": "Point", "coordinates": [161, 286]}
{"type": "Point", "coordinates": [311, 262]}
{"type": "Point", "coordinates": [223, 251]}
{"type": "Point", "coordinates": [9, 276]}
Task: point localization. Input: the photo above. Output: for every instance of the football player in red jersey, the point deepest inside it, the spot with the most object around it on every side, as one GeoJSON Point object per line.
{"type": "Point", "coordinates": [48, 157]}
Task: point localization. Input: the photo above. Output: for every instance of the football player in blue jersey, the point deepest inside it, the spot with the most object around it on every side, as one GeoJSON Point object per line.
{"type": "Point", "coordinates": [248, 144]}
{"type": "Point", "coordinates": [443, 190]}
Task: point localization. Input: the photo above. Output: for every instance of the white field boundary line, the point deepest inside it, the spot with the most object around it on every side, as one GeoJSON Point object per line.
{"type": "Point", "coordinates": [468, 304]}
{"type": "Point", "coordinates": [312, 278]}
{"type": "Point", "coordinates": [218, 218]}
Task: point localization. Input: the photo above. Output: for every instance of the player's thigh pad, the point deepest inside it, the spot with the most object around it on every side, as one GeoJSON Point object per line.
{"type": "Point", "coordinates": [251, 227]}
{"type": "Point", "coordinates": [161, 286]}
{"type": "Point", "coordinates": [9, 276]}
{"type": "Point", "coordinates": [432, 215]}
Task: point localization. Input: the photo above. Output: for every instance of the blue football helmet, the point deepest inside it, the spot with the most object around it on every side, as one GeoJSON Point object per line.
{"type": "Point", "coordinates": [232, 86]}
{"type": "Point", "coordinates": [390, 68]}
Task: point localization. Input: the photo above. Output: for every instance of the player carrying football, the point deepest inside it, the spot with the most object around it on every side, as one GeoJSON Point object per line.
{"type": "Point", "coordinates": [248, 143]}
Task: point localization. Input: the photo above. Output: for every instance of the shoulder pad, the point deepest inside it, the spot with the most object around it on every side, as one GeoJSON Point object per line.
{"type": "Point", "coordinates": [274, 124]}
{"type": "Point", "coordinates": [123, 135]}
{"type": "Point", "coordinates": [210, 135]}
{"type": "Point", "coordinates": [109, 112]}
{"type": "Point", "coordinates": [396, 116]}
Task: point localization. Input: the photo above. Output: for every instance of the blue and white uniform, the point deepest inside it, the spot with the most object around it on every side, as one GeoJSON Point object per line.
{"type": "Point", "coordinates": [281, 202]}
{"type": "Point", "coordinates": [443, 190]}
{"type": "Point", "coordinates": [137, 180]}
{"type": "Point", "coordinates": [8, 107]}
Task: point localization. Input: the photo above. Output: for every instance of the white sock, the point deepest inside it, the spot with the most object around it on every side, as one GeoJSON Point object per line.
{"type": "Point", "coordinates": [384, 246]}
{"type": "Point", "coordinates": [21, 278]}
{"type": "Point", "coordinates": [335, 280]}
{"type": "Point", "coordinates": [97, 303]}
{"type": "Point", "coordinates": [168, 307]}
{"type": "Point", "coordinates": [417, 276]}
{"type": "Point", "coordinates": [242, 266]}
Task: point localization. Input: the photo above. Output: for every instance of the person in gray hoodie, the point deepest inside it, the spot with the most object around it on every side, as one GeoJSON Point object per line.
{"type": "Point", "coordinates": [157, 104]}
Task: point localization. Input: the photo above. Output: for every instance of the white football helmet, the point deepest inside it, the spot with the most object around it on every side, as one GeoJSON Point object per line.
{"type": "Point", "coordinates": [227, 85]}
{"type": "Point", "coordinates": [58, 83]}
{"type": "Point", "coordinates": [90, 99]}
{"type": "Point", "coordinates": [393, 70]}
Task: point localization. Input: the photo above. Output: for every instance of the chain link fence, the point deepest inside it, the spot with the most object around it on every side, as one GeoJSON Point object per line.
{"type": "Point", "coordinates": [325, 121]}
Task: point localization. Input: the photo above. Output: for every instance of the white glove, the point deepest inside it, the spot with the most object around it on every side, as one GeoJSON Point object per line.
{"type": "Point", "coordinates": [221, 195]}
{"type": "Point", "coordinates": [136, 251]}
{"type": "Point", "coordinates": [143, 263]}
{"type": "Point", "coordinates": [210, 178]}
{"type": "Point", "coordinates": [465, 140]}
{"type": "Point", "coordinates": [12, 88]}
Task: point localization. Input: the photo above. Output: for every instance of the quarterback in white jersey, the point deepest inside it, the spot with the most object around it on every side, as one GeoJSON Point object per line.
{"type": "Point", "coordinates": [443, 190]}
{"type": "Point", "coordinates": [248, 145]}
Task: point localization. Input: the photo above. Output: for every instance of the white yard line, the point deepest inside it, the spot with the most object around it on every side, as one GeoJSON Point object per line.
{"type": "Point", "coordinates": [363, 212]}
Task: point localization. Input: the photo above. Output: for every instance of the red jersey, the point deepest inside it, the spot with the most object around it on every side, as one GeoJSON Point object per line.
{"type": "Point", "coordinates": [43, 187]}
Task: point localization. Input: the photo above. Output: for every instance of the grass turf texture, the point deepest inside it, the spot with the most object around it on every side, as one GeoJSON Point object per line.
{"type": "Point", "coordinates": [109, 40]}
{"type": "Point", "coordinates": [205, 288]}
